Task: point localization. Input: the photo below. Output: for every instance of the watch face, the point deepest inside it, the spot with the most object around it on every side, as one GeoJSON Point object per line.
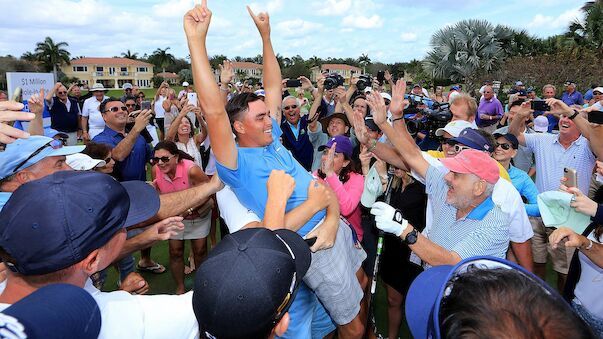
{"type": "Point", "coordinates": [411, 237]}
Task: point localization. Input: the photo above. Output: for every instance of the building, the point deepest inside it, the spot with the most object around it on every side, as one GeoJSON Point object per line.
{"type": "Point", "coordinates": [346, 71]}
{"type": "Point", "coordinates": [111, 72]}
{"type": "Point", "coordinates": [170, 77]}
{"type": "Point", "coordinates": [242, 71]}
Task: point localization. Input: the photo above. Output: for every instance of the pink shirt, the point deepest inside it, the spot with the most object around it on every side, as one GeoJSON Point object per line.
{"type": "Point", "coordinates": [180, 181]}
{"type": "Point", "coordinates": [348, 195]}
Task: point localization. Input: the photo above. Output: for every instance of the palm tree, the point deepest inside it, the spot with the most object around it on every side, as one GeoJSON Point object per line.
{"type": "Point", "coordinates": [466, 51]}
{"type": "Point", "coordinates": [161, 58]}
{"type": "Point", "coordinates": [314, 61]}
{"type": "Point", "coordinates": [130, 55]}
{"type": "Point", "coordinates": [589, 32]}
{"type": "Point", "coordinates": [29, 56]}
{"type": "Point", "coordinates": [364, 60]}
{"type": "Point", "coordinates": [52, 55]}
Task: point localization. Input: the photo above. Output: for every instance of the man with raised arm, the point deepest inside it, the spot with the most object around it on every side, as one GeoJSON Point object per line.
{"type": "Point", "coordinates": [245, 166]}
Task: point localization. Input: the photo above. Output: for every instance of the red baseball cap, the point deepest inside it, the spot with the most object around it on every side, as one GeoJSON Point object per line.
{"type": "Point", "coordinates": [474, 162]}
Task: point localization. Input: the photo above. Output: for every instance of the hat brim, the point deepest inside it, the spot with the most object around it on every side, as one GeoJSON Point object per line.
{"type": "Point", "coordinates": [144, 202]}
{"type": "Point", "coordinates": [454, 165]}
{"type": "Point", "coordinates": [440, 131]}
{"type": "Point", "coordinates": [325, 121]}
{"type": "Point", "coordinates": [468, 143]}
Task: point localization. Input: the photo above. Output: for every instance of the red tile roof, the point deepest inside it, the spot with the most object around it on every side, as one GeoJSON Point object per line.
{"type": "Point", "coordinates": [110, 62]}
{"type": "Point", "coordinates": [243, 64]}
{"type": "Point", "coordinates": [340, 67]}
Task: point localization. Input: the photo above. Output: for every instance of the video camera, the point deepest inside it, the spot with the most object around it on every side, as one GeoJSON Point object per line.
{"type": "Point", "coordinates": [364, 81]}
{"type": "Point", "coordinates": [333, 80]}
{"type": "Point", "coordinates": [435, 118]}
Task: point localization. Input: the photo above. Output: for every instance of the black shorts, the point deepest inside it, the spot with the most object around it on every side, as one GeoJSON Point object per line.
{"type": "Point", "coordinates": [160, 124]}
{"type": "Point", "coordinates": [396, 270]}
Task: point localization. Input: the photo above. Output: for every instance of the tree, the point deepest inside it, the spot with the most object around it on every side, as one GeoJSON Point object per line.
{"type": "Point", "coordinates": [589, 32]}
{"type": "Point", "coordinates": [157, 80]}
{"type": "Point", "coordinates": [314, 61]}
{"type": "Point", "coordinates": [161, 58]}
{"type": "Point", "coordinates": [466, 51]}
{"type": "Point", "coordinates": [364, 60]}
{"type": "Point", "coordinates": [296, 70]}
{"type": "Point", "coordinates": [130, 55]}
{"type": "Point", "coordinates": [29, 56]}
{"type": "Point", "coordinates": [216, 60]}
{"type": "Point", "coordinates": [52, 55]}
{"type": "Point", "coordinates": [186, 75]}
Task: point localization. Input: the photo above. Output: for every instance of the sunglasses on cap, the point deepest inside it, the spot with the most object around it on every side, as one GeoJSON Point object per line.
{"type": "Point", "coordinates": [117, 109]}
{"type": "Point", "coordinates": [504, 146]}
{"type": "Point", "coordinates": [156, 160]}
{"type": "Point", "coordinates": [54, 144]}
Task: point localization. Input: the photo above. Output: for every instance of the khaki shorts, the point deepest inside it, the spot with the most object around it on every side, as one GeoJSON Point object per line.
{"type": "Point", "coordinates": [541, 248]}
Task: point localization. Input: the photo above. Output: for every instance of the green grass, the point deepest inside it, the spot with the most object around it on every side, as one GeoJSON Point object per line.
{"type": "Point", "coordinates": [148, 92]}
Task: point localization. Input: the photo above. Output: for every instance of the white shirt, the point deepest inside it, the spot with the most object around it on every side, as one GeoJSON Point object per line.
{"type": "Point", "coordinates": [210, 169]}
{"type": "Point", "coordinates": [235, 215]}
{"type": "Point", "coordinates": [159, 111]}
{"type": "Point", "coordinates": [90, 109]}
{"type": "Point", "coordinates": [588, 289]}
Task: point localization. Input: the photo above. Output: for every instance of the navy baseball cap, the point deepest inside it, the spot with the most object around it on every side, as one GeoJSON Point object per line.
{"type": "Point", "coordinates": [370, 124]}
{"type": "Point", "coordinates": [471, 138]}
{"type": "Point", "coordinates": [344, 145]}
{"type": "Point", "coordinates": [510, 138]}
{"type": "Point", "coordinates": [55, 311]}
{"type": "Point", "coordinates": [248, 282]}
{"type": "Point", "coordinates": [55, 222]}
{"type": "Point", "coordinates": [427, 291]}
{"type": "Point", "coordinates": [27, 152]}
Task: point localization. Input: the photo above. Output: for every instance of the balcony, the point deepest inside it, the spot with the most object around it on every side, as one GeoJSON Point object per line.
{"type": "Point", "coordinates": [98, 74]}
{"type": "Point", "coordinates": [124, 73]}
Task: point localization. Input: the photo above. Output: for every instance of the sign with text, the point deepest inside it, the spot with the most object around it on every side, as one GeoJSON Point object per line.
{"type": "Point", "coordinates": [30, 83]}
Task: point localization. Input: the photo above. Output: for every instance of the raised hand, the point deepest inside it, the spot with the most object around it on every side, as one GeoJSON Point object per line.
{"type": "Point", "coordinates": [262, 22]}
{"type": "Point", "coordinates": [319, 195]}
{"type": "Point", "coordinates": [326, 165]}
{"type": "Point", "coordinates": [396, 107]}
{"type": "Point", "coordinates": [360, 128]}
{"type": "Point", "coordinates": [142, 120]}
{"type": "Point", "coordinates": [387, 76]}
{"type": "Point", "coordinates": [558, 106]}
{"type": "Point", "coordinates": [581, 203]}
{"type": "Point", "coordinates": [36, 102]}
{"type": "Point", "coordinates": [226, 72]}
{"type": "Point", "coordinates": [377, 104]}
{"type": "Point", "coordinates": [196, 21]}
{"type": "Point", "coordinates": [388, 219]}
{"type": "Point", "coordinates": [306, 83]}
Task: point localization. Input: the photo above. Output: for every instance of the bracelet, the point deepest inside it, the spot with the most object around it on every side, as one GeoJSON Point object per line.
{"type": "Point", "coordinates": [373, 146]}
{"type": "Point", "coordinates": [573, 116]}
{"type": "Point", "coordinates": [396, 119]}
{"type": "Point", "coordinates": [590, 245]}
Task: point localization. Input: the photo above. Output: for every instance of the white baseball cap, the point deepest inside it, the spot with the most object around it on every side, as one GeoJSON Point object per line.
{"type": "Point", "coordinates": [373, 188]}
{"type": "Point", "coordinates": [541, 124]}
{"type": "Point", "coordinates": [386, 96]}
{"type": "Point", "coordinates": [454, 128]}
{"type": "Point", "coordinates": [185, 84]}
{"type": "Point", "coordinates": [83, 162]}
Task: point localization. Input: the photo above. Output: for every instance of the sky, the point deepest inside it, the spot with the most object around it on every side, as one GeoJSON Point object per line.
{"type": "Point", "coordinates": [386, 30]}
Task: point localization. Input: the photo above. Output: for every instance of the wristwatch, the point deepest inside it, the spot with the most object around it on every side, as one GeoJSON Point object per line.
{"type": "Point", "coordinates": [571, 117]}
{"type": "Point", "coordinates": [411, 237]}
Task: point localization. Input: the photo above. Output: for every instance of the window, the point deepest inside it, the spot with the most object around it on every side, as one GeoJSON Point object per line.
{"type": "Point", "coordinates": [124, 69]}
{"type": "Point", "coordinates": [99, 69]}
{"type": "Point", "coordinates": [80, 68]}
{"type": "Point", "coordinates": [141, 69]}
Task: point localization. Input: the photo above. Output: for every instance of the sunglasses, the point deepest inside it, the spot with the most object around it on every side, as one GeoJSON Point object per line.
{"type": "Point", "coordinates": [156, 160]}
{"type": "Point", "coordinates": [62, 92]}
{"type": "Point", "coordinates": [504, 146]}
{"type": "Point", "coordinates": [290, 107]}
{"type": "Point", "coordinates": [458, 148]}
{"type": "Point", "coordinates": [54, 144]}
{"type": "Point", "coordinates": [108, 160]}
{"type": "Point", "coordinates": [117, 109]}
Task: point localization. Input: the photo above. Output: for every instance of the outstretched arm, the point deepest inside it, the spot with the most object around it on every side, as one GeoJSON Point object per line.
{"type": "Point", "coordinates": [196, 24]}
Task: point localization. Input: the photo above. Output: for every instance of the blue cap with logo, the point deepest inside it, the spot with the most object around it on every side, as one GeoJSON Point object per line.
{"type": "Point", "coordinates": [55, 222]}
{"type": "Point", "coordinates": [27, 152]}
{"type": "Point", "coordinates": [471, 138]}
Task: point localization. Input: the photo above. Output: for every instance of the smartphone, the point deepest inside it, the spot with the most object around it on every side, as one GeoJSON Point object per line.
{"type": "Point", "coordinates": [293, 83]}
{"type": "Point", "coordinates": [18, 95]}
{"type": "Point", "coordinates": [145, 104]}
{"type": "Point", "coordinates": [571, 177]}
{"type": "Point", "coordinates": [539, 105]}
{"type": "Point", "coordinates": [595, 117]}
{"type": "Point", "coordinates": [381, 77]}
{"type": "Point", "coordinates": [192, 98]}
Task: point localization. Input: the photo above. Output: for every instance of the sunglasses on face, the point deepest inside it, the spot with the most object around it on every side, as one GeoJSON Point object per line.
{"type": "Point", "coordinates": [54, 144]}
{"type": "Point", "coordinates": [504, 146]}
{"type": "Point", "coordinates": [459, 148]}
{"type": "Point", "coordinates": [116, 109]}
{"type": "Point", "coordinates": [290, 107]}
{"type": "Point", "coordinates": [62, 92]}
{"type": "Point", "coordinates": [156, 160]}
{"type": "Point", "coordinates": [108, 160]}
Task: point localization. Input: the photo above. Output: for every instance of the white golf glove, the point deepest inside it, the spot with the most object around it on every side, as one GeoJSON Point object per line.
{"type": "Point", "coordinates": [388, 219]}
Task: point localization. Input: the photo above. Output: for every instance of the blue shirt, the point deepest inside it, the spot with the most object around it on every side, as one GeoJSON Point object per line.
{"type": "Point", "coordinates": [484, 231]}
{"type": "Point", "coordinates": [254, 165]}
{"type": "Point", "coordinates": [526, 187]}
{"type": "Point", "coordinates": [572, 99]}
{"type": "Point", "coordinates": [588, 95]}
{"type": "Point", "coordinates": [133, 167]}
{"type": "Point", "coordinates": [296, 139]}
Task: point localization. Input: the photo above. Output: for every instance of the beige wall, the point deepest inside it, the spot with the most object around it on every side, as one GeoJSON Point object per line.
{"type": "Point", "coordinates": [113, 76]}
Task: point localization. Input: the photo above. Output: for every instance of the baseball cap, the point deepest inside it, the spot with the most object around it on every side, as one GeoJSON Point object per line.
{"type": "Point", "coordinates": [54, 222]}
{"type": "Point", "coordinates": [53, 311]}
{"type": "Point", "coordinates": [455, 88]}
{"type": "Point", "coordinates": [344, 145]}
{"type": "Point", "coordinates": [185, 84]}
{"type": "Point", "coordinates": [598, 89]}
{"type": "Point", "coordinates": [326, 121]}
{"type": "Point", "coordinates": [474, 162]}
{"type": "Point", "coordinates": [471, 137]}
{"type": "Point", "coordinates": [522, 93]}
{"type": "Point", "coordinates": [248, 282]}
{"type": "Point", "coordinates": [518, 83]}
{"type": "Point", "coordinates": [556, 211]}
{"type": "Point", "coordinates": [386, 96]}
{"type": "Point", "coordinates": [541, 123]}
{"type": "Point", "coordinates": [427, 291]}
{"type": "Point", "coordinates": [83, 162]}
{"type": "Point", "coordinates": [453, 128]}
{"type": "Point", "coordinates": [260, 93]}
{"type": "Point", "coordinates": [27, 152]}
{"type": "Point", "coordinates": [127, 85]}
{"type": "Point", "coordinates": [370, 123]}
{"type": "Point", "coordinates": [373, 188]}
{"type": "Point", "coordinates": [510, 138]}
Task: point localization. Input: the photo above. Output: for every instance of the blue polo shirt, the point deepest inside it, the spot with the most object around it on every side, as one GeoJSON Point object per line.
{"type": "Point", "coordinates": [254, 165]}
{"type": "Point", "coordinates": [133, 167]}
{"type": "Point", "coordinates": [572, 99]}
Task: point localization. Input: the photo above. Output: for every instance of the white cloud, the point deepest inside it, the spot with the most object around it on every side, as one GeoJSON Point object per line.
{"type": "Point", "coordinates": [540, 21]}
{"type": "Point", "coordinates": [362, 21]}
{"type": "Point", "coordinates": [171, 8]}
{"type": "Point", "coordinates": [331, 7]}
{"type": "Point", "coordinates": [296, 28]}
{"type": "Point", "coordinates": [270, 7]}
{"type": "Point", "coordinates": [408, 37]}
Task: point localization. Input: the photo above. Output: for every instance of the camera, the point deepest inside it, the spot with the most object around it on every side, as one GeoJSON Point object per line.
{"type": "Point", "coordinates": [333, 80]}
{"type": "Point", "coordinates": [364, 81]}
{"type": "Point", "coordinates": [435, 118]}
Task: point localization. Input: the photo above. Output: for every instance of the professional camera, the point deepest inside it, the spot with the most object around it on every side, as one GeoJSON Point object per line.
{"type": "Point", "coordinates": [333, 80]}
{"type": "Point", "coordinates": [434, 118]}
{"type": "Point", "coordinates": [364, 81]}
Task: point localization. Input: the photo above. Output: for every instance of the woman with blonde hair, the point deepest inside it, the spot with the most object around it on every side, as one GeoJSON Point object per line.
{"type": "Point", "coordinates": [158, 109]}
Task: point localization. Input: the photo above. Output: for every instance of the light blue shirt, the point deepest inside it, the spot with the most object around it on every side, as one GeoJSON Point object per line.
{"type": "Point", "coordinates": [484, 231]}
{"type": "Point", "coordinates": [551, 158]}
{"type": "Point", "coordinates": [526, 187]}
{"type": "Point", "coordinates": [317, 139]}
{"type": "Point", "coordinates": [294, 129]}
{"type": "Point", "coordinates": [4, 196]}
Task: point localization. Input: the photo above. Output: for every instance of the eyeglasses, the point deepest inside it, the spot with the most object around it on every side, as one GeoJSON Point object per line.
{"type": "Point", "coordinates": [108, 160]}
{"type": "Point", "coordinates": [387, 102]}
{"type": "Point", "coordinates": [54, 144]}
{"type": "Point", "coordinates": [458, 148]}
{"type": "Point", "coordinates": [156, 160]}
{"type": "Point", "coordinates": [504, 146]}
{"type": "Point", "coordinates": [141, 96]}
{"type": "Point", "coordinates": [117, 109]}
{"type": "Point", "coordinates": [286, 108]}
{"type": "Point", "coordinates": [62, 92]}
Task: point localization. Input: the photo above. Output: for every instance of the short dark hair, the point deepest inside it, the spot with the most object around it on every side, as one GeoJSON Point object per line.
{"type": "Point", "coordinates": [103, 105]}
{"type": "Point", "coordinates": [130, 97]}
{"type": "Point", "coordinates": [97, 150]}
{"type": "Point", "coordinates": [171, 147]}
{"type": "Point", "coordinates": [239, 104]}
{"type": "Point", "coordinates": [499, 303]}
{"type": "Point", "coordinates": [516, 103]}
